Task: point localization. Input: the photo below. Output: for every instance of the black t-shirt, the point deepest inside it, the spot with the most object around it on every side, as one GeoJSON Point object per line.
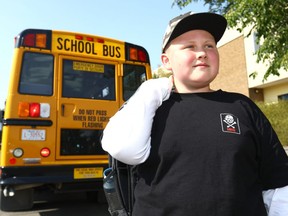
{"type": "Point", "coordinates": [211, 154]}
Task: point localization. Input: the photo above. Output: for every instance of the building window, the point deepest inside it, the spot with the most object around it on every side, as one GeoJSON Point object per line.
{"type": "Point", "coordinates": [283, 97]}
{"type": "Point", "coordinates": [256, 44]}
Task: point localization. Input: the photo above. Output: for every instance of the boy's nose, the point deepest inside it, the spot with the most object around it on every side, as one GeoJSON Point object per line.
{"type": "Point", "coordinates": [201, 54]}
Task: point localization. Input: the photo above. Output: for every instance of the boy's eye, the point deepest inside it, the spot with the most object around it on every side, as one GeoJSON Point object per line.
{"type": "Point", "coordinates": [209, 46]}
{"type": "Point", "coordinates": [190, 47]}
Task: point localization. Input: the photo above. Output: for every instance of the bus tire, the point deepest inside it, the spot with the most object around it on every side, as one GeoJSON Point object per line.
{"type": "Point", "coordinates": [22, 200]}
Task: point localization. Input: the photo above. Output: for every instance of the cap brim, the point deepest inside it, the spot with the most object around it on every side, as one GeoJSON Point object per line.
{"type": "Point", "coordinates": [213, 23]}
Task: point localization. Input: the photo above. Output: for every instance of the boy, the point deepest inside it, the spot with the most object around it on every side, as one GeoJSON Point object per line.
{"type": "Point", "coordinates": [199, 151]}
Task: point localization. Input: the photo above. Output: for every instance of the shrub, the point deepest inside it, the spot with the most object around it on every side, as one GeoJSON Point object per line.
{"type": "Point", "coordinates": [277, 114]}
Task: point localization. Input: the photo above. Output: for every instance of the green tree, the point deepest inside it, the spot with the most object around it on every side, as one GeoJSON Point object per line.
{"type": "Point", "coordinates": [161, 72]}
{"type": "Point", "coordinates": [269, 18]}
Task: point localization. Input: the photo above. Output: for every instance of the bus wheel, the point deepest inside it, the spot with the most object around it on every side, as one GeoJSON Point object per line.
{"type": "Point", "coordinates": [22, 200]}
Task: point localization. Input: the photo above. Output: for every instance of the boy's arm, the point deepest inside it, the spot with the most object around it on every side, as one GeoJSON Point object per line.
{"type": "Point", "coordinates": [276, 201]}
{"type": "Point", "coordinates": [127, 134]}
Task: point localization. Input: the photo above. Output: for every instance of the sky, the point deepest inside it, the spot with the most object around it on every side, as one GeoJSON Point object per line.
{"type": "Point", "coordinates": [142, 22]}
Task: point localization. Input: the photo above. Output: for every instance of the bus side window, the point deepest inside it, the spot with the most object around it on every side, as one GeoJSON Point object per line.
{"type": "Point", "coordinates": [133, 77]}
{"type": "Point", "coordinates": [36, 74]}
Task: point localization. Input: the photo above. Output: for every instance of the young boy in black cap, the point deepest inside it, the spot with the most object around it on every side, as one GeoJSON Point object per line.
{"type": "Point", "coordinates": [199, 151]}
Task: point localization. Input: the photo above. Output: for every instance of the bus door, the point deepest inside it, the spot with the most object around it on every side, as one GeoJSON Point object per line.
{"type": "Point", "coordinates": [87, 99]}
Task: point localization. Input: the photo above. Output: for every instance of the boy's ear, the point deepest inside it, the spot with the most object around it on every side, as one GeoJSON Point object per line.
{"type": "Point", "coordinates": [165, 61]}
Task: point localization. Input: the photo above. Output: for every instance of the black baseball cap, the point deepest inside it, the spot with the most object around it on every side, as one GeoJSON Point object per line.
{"type": "Point", "coordinates": [215, 24]}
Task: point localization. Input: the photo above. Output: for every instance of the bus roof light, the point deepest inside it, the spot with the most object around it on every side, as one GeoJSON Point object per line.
{"type": "Point", "coordinates": [35, 40]}
{"type": "Point", "coordinates": [29, 40]}
{"type": "Point", "coordinates": [79, 37]}
{"type": "Point", "coordinates": [90, 39]}
{"type": "Point", "coordinates": [133, 54]}
{"type": "Point", "coordinates": [136, 53]}
{"type": "Point", "coordinates": [142, 56]}
{"type": "Point", "coordinates": [100, 40]}
{"type": "Point", "coordinates": [41, 40]}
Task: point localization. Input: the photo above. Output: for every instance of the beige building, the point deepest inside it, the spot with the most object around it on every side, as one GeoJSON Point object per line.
{"type": "Point", "coordinates": [237, 62]}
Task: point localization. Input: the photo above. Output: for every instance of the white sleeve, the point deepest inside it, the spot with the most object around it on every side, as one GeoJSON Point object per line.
{"type": "Point", "coordinates": [127, 134]}
{"type": "Point", "coordinates": [276, 201]}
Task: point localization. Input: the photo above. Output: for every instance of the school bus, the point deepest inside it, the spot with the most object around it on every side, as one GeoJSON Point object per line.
{"type": "Point", "coordinates": [63, 88]}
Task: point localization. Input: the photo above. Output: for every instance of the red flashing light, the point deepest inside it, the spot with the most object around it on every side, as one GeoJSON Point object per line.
{"type": "Point", "coordinates": [34, 109]}
{"type": "Point", "coordinates": [45, 152]}
{"type": "Point", "coordinates": [29, 40]}
{"type": "Point", "coordinates": [142, 56]}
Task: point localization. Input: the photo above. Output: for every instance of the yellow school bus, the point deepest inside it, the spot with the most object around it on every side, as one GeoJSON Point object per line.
{"type": "Point", "coordinates": [63, 88]}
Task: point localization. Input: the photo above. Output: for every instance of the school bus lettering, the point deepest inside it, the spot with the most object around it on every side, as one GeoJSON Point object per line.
{"type": "Point", "coordinates": [76, 46]}
{"type": "Point", "coordinates": [103, 119]}
{"type": "Point", "coordinates": [64, 88]}
{"type": "Point", "coordinates": [101, 112]}
{"type": "Point", "coordinates": [92, 125]}
{"type": "Point", "coordinates": [79, 118]}
{"type": "Point", "coordinates": [81, 111]}
{"type": "Point", "coordinates": [111, 51]}
{"type": "Point", "coordinates": [91, 118]}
